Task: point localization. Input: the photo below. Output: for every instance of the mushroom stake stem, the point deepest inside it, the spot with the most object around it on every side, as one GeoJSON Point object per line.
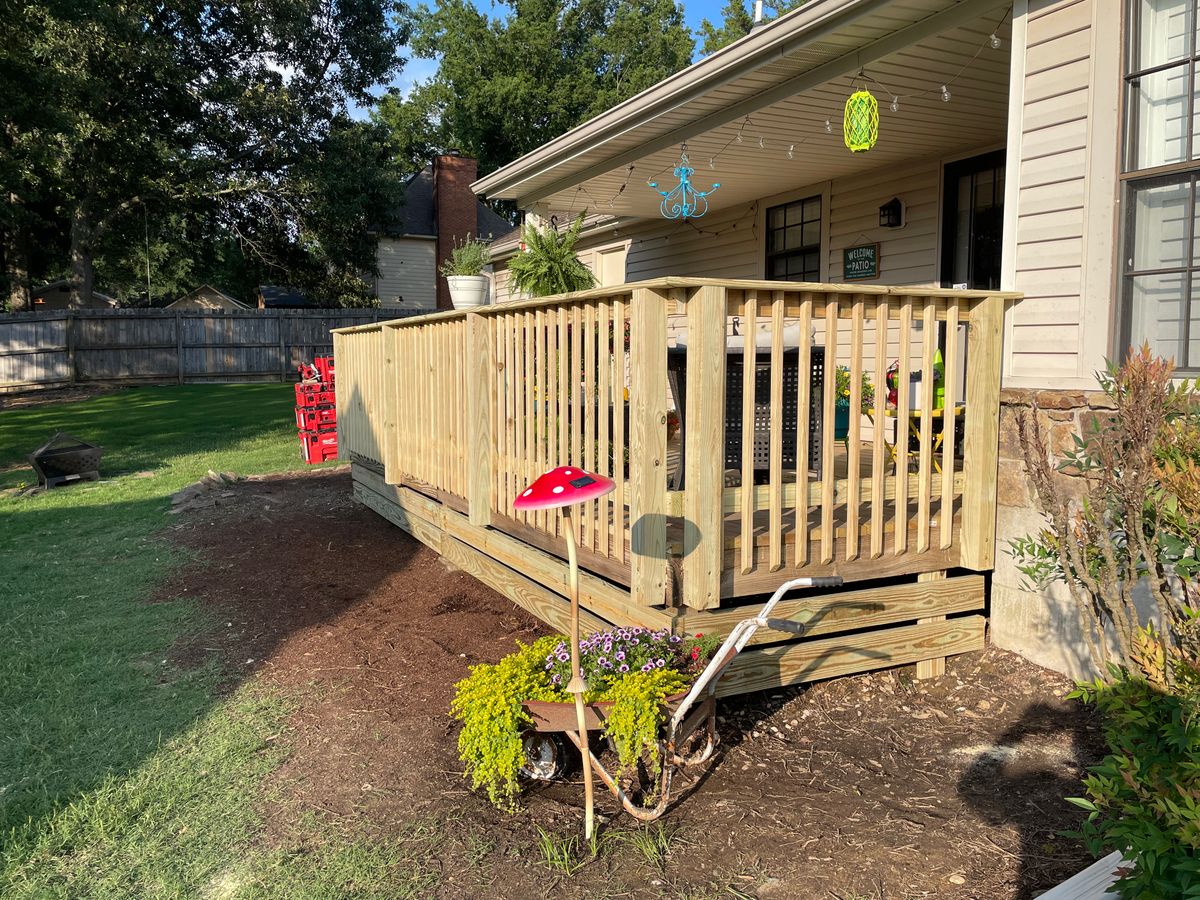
{"type": "Point", "coordinates": [577, 685]}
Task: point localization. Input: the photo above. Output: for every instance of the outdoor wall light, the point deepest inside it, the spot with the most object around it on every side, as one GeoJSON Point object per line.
{"type": "Point", "coordinates": [891, 214]}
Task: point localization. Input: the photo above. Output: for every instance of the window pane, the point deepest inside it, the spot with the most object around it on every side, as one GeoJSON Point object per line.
{"type": "Point", "coordinates": [1157, 106]}
{"type": "Point", "coordinates": [1193, 357]}
{"type": "Point", "coordinates": [1164, 33]}
{"type": "Point", "coordinates": [812, 210]}
{"type": "Point", "coordinates": [812, 234]}
{"type": "Point", "coordinates": [794, 213]}
{"type": "Point", "coordinates": [793, 237]}
{"type": "Point", "coordinates": [775, 217]}
{"type": "Point", "coordinates": [1159, 227]}
{"type": "Point", "coordinates": [1156, 313]}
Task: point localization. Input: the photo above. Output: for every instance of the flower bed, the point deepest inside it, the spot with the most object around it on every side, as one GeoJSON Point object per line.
{"type": "Point", "coordinates": [630, 673]}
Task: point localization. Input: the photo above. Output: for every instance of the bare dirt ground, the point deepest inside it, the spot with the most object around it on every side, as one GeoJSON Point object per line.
{"type": "Point", "coordinates": [49, 396]}
{"type": "Point", "coordinates": [874, 786]}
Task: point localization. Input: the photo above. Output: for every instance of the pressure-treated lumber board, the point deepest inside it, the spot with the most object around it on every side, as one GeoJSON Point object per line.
{"type": "Point", "coordinates": [704, 420]}
{"type": "Point", "coordinates": [606, 600]}
{"type": "Point", "coordinates": [480, 376]}
{"type": "Point", "coordinates": [932, 668]}
{"type": "Point", "coordinates": [981, 443]}
{"type": "Point", "coordinates": [648, 441]}
{"type": "Point", "coordinates": [830, 612]}
{"type": "Point", "coordinates": [425, 532]}
{"type": "Point", "coordinates": [782, 664]}
{"type": "Point", "coordinates": [551, 608]}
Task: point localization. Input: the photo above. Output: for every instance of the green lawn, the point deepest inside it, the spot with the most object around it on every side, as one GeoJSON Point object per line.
{"type": "Point", "coordinates": [119, 774]}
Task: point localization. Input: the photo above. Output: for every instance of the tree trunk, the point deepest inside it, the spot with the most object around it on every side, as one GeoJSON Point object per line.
{"type": "Point", "coordinates": [83, 274]}
{"type": "Point", "coordinates": [16, 258]}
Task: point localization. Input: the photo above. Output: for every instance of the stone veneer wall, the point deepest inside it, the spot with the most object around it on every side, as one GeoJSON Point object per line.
{"type": "Point", "coordinates": [1042, 626]}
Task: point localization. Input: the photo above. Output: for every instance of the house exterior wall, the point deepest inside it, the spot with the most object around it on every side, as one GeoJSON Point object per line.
{"type": "Point", "coordinates": [407, 273]}
{"type": "Point", "coordinates": [1061, 252]}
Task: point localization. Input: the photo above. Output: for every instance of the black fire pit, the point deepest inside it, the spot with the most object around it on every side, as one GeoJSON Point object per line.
{"type": "Point", "coordinates": [64, 458]}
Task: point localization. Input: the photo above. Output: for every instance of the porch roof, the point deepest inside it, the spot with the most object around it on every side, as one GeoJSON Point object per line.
{"type": "Point", "coordinates": [788, 77]}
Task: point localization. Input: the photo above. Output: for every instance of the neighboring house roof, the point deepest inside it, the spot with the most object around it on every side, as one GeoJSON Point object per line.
{"type": "Point", "coordinates": [275, 296]}
{"type": "Point", "coordinates": [417, 217]}
{"type": "Point", "coordinates": [209, 293]}
{"type": "Point", "coordinates": [55, 291]}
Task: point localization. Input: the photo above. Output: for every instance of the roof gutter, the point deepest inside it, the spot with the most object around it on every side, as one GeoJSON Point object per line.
{"type": "Point", "coordinates": [764, 45]}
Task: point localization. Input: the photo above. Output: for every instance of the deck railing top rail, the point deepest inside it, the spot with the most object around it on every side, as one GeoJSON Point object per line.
{"type": "Point", "coordinates": [674, 282]}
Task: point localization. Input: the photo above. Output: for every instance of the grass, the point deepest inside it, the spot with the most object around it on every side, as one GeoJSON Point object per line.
{"type": "Point", "coordinates": [121, 775]}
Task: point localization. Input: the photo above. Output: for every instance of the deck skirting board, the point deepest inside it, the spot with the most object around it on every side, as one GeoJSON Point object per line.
{"type": "Point", "coordinates": [536, 581]}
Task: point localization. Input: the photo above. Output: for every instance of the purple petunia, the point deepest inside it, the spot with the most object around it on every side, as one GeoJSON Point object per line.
{"type": "Point", "coordinates": [623, 668]}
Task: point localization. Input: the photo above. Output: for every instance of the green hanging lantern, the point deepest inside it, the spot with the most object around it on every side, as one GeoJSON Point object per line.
{"type": "Point", "coordinates": [861, 123]}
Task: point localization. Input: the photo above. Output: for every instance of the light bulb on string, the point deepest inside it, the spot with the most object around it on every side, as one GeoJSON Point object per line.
{"type": "Point", "coordinates": [945, 94]}
{"type": "Point", "coordinates": [792, 151]}
{"type": "Point", "coordinates": [895, 104]}
{"type": "Point", "coordinates": [739, 136]}
{"type": "Point", "coordinates": [994, 40]}
{"type": "Point", "coordinates": [828, 127]}
{"type": "Point", "coordinates": [762, 145]}
{"type": "Point", "coordinates": [712, 163]}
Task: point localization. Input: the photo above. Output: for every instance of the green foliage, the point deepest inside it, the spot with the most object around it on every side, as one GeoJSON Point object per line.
{"type": "Point", "coordinates": [736, 21]}
{"type": "Point", "coordinates": [197, 123]}
{"type": "Point", "coordinates": [507, 83]}
{"type": "Point", "coordinates": [560, 854]}
{"type": "Point", "coordinates": [636, 714]}
{"type": "Point", "coordinates": [842, 388]}
{"type": "Point", "coordinates": [488, 703]}
{"type": "Point", "coordinates": [1144, 797]}
{"type": "Point", "coordinates": [549, 264]}
{"type": "Point", "coordinates": [467, 258]}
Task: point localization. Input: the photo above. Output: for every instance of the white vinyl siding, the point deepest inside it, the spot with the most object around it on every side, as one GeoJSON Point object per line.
{"type": "Point", "coordinates": [407, 273]}
{"type": "Point", "coordinates": [1062, 255]}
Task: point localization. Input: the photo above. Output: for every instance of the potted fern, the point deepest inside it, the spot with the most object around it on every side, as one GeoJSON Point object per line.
{"type": "Point", "coordinates": [549, 264]}
{"type": "Point", "coordinates": [464, 273]}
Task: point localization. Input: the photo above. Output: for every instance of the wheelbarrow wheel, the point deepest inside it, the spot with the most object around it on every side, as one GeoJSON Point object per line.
{"type": "Point", "coordinates": [545, 754]}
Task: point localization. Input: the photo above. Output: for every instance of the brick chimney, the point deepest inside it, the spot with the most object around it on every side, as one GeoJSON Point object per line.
{"type": "Point", "coordinates": [454, 209]}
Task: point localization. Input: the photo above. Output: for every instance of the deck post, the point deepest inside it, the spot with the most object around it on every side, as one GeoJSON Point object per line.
{"type": "Point", "coordinates": [981, 448]}
{"type": "Point", "coordinates": [390, 436]}
{"type": "Point", "coordinates": [480, 380]}
{"type": "Point", "coordinates": [704, 436]}
{"type": "Point", "coordinates": [647, 461]}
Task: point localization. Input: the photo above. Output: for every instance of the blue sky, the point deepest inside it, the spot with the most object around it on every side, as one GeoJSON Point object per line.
{"type": "Point", "coordinates": [417, 70]}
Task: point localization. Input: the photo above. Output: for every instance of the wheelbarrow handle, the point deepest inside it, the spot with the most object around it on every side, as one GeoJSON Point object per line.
{"type": "Point", "coordinates": [787, 625]}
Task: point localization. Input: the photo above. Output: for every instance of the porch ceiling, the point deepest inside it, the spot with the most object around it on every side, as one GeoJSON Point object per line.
{"type": "Point", "coordinates": [909, 48]}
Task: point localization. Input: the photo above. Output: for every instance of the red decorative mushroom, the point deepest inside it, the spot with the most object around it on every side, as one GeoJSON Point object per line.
{"type": "Point", "coordinates": [562, 488]}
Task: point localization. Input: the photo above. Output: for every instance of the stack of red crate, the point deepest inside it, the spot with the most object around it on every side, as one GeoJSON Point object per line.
{"type": "Point", "coordinates": [316, 414]}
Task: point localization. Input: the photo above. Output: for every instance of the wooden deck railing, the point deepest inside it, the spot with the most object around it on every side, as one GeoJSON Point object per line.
{"type": "Point", "coordinates": [469, 407]}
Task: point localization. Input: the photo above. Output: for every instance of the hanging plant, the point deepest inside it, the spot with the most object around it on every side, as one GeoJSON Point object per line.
{"type": "Point", "coordinates": [860, 127]}
{"type": "Point", "coordinates": [548, 265]}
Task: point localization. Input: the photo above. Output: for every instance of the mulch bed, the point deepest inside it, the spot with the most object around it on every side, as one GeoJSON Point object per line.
{"type": "Point", "coordinates": [874, 786]}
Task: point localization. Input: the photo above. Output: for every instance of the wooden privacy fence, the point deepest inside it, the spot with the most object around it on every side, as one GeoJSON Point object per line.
{"type": "Point", "coordinates": [50, 349]}
{"type": "Point", "coordinates": [641, 382]}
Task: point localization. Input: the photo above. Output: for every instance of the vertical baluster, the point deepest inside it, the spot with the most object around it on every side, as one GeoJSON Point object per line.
{"type": "Point", "coordinates": [588, 513]}
{"type": "Point", "coordinates": [749, 348]}
{"type": "Point", "coordinates": [528, 463]}
{"type": "Point", "coordinates": [854, 436]}
{"type": "Point", "coordinates": [925, 458]}
{"type": "Point", "coordinates": [900, 531]}
{"type": "Point", "coordinates": [949, 421]}
{"type": "Point", "coordinates": [880, 419]}
{"type": "Point", "coordinates": [603, 411]}
{"type": "Point", "coordinates": [576, 376]}
{"type": "Point", "coordinates": [829, 412]}
{"type": "Point", "coordinates": [551, 400]}
{"type": "Point", "coordinates": [775, 452]}
{"type": "Point", "coordinates": [618, 402]}
{"type": "Point", "coordinates": [803, 427]}
{"type": "Point", "coordinates": [539, 400]}
{"type": "Point", "coordinates": [564, 388]}
{"type": "Point", "coordinates": [510, 413]}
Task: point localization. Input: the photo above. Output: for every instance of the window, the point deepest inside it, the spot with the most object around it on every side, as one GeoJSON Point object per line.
{"type": "Point", "coordinates": [1161, 164]}
{"type": "Point", "coordinates": [794, 241]}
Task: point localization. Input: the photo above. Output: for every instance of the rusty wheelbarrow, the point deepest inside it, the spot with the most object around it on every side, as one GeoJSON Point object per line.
{"type": "Point", "coordinates": [684, 715]}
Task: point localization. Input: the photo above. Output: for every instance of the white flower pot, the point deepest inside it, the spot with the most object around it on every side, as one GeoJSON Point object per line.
{"type": "Point", "coordinates": [468, 291]}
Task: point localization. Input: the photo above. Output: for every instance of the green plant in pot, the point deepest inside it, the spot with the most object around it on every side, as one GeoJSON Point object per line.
{"type": "Point", "coordinates": [463, 271]}
{"type": "Point", "coordinates": [1122, 536]}
{"type": "Point", "coordinates": [841, 409]}
{"type": "Point", "coordinates": [548, 264]}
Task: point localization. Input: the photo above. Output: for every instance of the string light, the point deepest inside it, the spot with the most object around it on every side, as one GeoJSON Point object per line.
{"type": "Point", "coordinates": [762, 145]}
{"type": "Point", "coordinates": [828, 127]}
{"type": "Point", "coordinates": [895, 104]}
{"type": "Point", "coordinates": [945, 94]}
{"type": "Point", "coordinates": [994, 40]}
{"type": "Point", "coordinates": [792, 151]}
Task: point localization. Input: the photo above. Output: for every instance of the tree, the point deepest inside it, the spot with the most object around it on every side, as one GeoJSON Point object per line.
{"type": "Point", "coordinates": [185, 106]}
{"type": "Point", "coordinates": [736, 21]}
{"type": "Point", "coordinates": [507, 85]}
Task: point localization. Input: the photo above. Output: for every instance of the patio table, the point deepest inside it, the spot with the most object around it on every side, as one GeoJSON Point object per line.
{"type": "Point", "coordinates": [880, 417]}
